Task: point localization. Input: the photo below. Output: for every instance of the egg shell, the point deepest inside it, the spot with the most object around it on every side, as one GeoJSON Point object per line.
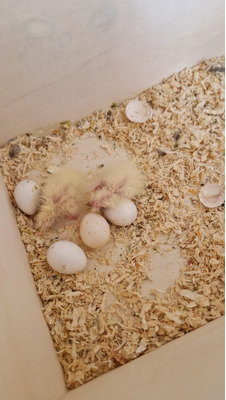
{"type": "Point", "coordinates": [66, 257]}
{"type": "Point", "coordinates": [123, 214]}
{"type": "Point", "coordinates": [94, 230]}
{"type": "Point", "coordinates": [212, 195]}
{"type": "Point", "coordinates": [26, 195]}
{"type": "Point", "coordinates": [138, 111]}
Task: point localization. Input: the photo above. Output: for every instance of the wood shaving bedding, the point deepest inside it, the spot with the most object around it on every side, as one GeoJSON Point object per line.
{"type": "Point", "coordinates": [99, 319]}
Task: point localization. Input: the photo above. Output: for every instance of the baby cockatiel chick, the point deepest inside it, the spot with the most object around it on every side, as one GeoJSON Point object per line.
{"type": "Point", "coordinates": [118, 181]}
{"type": "Point", "coordinates": [63, 197]}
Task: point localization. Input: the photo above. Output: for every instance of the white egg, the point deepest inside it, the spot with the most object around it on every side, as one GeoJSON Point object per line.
{"type": "Point", "coordinates": [26, 195]}
{"type": "Point", "coordinates": [123, 214]}
{"type": "Point", "coordinates": [66, 257]}
{"type": "Point", "coordinates": [94, 230]}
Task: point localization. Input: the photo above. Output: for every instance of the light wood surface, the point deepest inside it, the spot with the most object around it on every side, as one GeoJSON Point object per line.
{"type": "Point", "coordinates": [62, 60]}
{"type": "Point", "coordinates": [29, 369]}
{"type": "Point", "coordinates": [188, 368]}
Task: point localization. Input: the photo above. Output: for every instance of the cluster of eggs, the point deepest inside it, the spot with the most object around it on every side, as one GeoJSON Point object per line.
{"type": "Point", "coordinates": [68, 258]}
{"type": "Point", "coordinates": [65, 256]}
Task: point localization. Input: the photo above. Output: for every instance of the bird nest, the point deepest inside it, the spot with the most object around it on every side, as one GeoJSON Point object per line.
{"type": "Point", "coordinates": [116, 309]}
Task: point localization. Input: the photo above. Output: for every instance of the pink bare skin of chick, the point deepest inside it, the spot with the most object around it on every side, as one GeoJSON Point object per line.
{"type": "Point", "coordinates": [117, 181]}
{"type": "Point", "coordinates": [63, 198]}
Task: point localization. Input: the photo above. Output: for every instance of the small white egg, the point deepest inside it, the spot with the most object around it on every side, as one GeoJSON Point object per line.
{"type": "Point", "coordinates": [66, 257]}
{"type": "Point", "coordinates": [123, 214]}
{"type": "Point", "coordinates": [26, 195]}
{"type": "Point", "coordinates": [94, 230]}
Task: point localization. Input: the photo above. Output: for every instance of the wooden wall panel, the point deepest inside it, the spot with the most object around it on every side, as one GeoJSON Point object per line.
{"type": "Point", "coordinates": [61, 60]}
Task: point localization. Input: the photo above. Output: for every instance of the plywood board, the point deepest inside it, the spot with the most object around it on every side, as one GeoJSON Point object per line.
{"type": "Point", "coordinates": [62, 61]}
